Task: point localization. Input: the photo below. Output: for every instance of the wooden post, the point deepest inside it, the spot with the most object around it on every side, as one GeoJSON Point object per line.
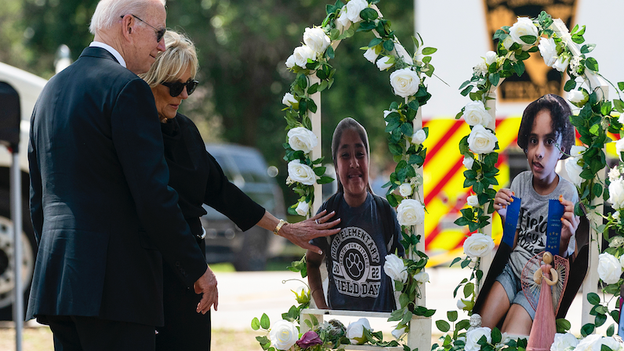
{"type": "Point", "coordinates": [315, 118]}
{"type": "Point", "coordinates": [485, 262]}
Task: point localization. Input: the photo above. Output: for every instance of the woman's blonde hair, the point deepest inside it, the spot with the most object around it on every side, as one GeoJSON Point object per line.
{"type": "Point", "coordinates": [169, 65]}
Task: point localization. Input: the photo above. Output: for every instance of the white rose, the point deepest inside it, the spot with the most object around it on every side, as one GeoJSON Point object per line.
{"type": "Point", "coordinates": [481, 68]}
{"type": "Point", "coordinates": [468, 162]}
{"type": "Point", "coordinates": [561, 64]}
{"type": "Point", "coordinates": [608, 341]}
{"type": "Point", "coordinates": [405, 189]}
{"type": "Point", "coordinates": [342, 22]}
{"type": "Point", "coordinates": [472, 200]}
{"type": "Point", "coordinates": [586, 343]}
{"type": "Point", "coordinates": [398, 332]}
{"type": "Point", "coordinates": [460, 304]}
{"type": "Point", "coordinates": [289, 99]}
{"type": "Point", "coordinates": [481, 140]}
{"type": "Point", "coordinates": [576, 96]}
{"type": "Point", "coordinates": [576, 151]}
{"type": "Point", "coordinates": [355, 330]}
{"type": "Point", "coordinates": [574, 171]}
{"type": "Point", "coordinates": [301, 173]}
{"type": "Point", "coordinates": [609, 268]}
{"type": "Point", "coordinates": [404, 82]}
{"type": "Point", "coordinates": [302, 138]}
{"type": "Point", "coordinates": [303, 208]}
{"type": "Point", "coordinates": [316, 39]}
{"type": "Point", "coordinates": [473, 336]}
{"type": "Point", "coordinates": [523, 27]}
{"type": "Point", "coordinates": [478, 245]}
{"type": "Point", "coordinates": [419, 137]}
{"type": "Point", "coordinates": [283, 335]}
{"type": "Point", "coordinates": [508, 42]}
{"type": "Point", "coordinates": [394, 267]}
{"type": "Point", "coordinates": [354, 7]}
{"type": "Point", "coordinates": [619, 146]}
{"type": "Point", "coordinates": [384, 63]}
{"type": "Point", "coordinates": [548, 49]}
{"type": "Point", "coordinates": [475, 113]}
{"type": "Point", "coordinates": [410, 212]}
{"type": "Point", "coordinates": [290, 62]}
{"type": "Point", "coordinates": [490, 57]}
{"type": "Point", "coordinates": [616, 194]}
{"type": "Point", "coordinates": [421, 277]}
{"type": "Point", "coordinates": [371, 55]}
{"type": "Point", "coordinates": [302, 54]}
{"type": "Point", "coordinates": [564, 342]}
{"type": "Point", "coordinates": [400, 50]}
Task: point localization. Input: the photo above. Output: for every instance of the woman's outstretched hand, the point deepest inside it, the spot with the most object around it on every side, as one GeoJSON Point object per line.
{"type": "Point", "coordinates": [302, 232]}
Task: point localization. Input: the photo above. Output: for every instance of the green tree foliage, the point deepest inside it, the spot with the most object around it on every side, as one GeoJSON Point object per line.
{"type": "Point", "coordinates": [242, 47]}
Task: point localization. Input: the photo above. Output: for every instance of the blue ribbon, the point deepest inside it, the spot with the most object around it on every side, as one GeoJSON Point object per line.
{"type": "Point", "coordinates": [553, 228]}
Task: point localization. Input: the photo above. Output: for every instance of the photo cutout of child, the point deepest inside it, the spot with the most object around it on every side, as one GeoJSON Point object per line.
{"type": "Point", "coordinates": [546, 136]}
{"type": "Point", "coordinates": [356, 255]}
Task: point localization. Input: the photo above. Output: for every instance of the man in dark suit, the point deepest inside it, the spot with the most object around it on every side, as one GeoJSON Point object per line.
{"type": "Point", "coordinates": [102, 212]}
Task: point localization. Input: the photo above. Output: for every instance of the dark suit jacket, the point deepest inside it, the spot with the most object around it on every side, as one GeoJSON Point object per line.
{"type": "Point", "coordinates": [102, 212]}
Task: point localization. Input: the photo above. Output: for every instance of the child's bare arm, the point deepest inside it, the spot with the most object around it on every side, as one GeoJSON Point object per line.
{"type": "Point", "coordinates": [569, 223]}
{"type": "Point", "coordinates": [313, 264]}
{"type": "Point", "coordinates": [502, 200]}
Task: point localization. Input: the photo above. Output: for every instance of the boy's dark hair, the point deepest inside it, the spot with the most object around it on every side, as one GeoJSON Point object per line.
{"type": "Point", "coordinates": [560, 116]}
{"type": "Point", "coordinates": [348, 123]}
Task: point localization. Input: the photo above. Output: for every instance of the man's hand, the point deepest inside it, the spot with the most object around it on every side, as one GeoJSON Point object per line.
{"type": "Point", "coordinates": [207, 285]}
{"type": "Point", "coordinates": [302, 232]}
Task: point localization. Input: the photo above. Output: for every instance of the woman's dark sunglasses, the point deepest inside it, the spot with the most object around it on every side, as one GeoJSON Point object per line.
{"type": "Point", "coordinates": [175, 88]}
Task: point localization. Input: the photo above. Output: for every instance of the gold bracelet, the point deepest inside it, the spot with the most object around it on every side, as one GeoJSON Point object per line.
{"type": "Point", "coordinates": [279, 226]}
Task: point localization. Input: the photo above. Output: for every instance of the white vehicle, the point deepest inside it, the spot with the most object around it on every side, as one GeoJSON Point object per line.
{"type": "Point", "coordinates": [28, 86]}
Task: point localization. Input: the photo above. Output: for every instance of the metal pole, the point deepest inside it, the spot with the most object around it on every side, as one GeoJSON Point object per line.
{"type": "Point", "coordinates": [16, 217]}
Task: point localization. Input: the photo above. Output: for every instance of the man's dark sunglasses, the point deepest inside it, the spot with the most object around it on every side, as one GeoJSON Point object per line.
{"type": "Point", "coordinates": [175, 88]}
{"type": "Point", "coordinates": [160, 33]}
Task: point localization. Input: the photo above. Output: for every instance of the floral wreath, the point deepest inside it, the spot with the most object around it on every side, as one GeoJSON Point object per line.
{"type": "Point", "coordinates": [314, 73]}
{"type": "Point", "coordinates": [566, 52]}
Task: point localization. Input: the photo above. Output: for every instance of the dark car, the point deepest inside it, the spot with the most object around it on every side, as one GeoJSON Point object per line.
{"type": "Point", "coordinates": [225, 242]}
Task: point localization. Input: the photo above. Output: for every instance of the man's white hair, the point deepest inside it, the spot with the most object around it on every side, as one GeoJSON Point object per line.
{"type": "Point", "coordinates": [108, 12]}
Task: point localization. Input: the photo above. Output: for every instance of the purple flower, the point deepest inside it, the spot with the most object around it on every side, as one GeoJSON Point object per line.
{"type": "Point", "coordinates": [309, 339]}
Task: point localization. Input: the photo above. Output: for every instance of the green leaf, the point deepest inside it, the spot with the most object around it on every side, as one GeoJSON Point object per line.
{"type": "Point", "coordinates": [592, 64]}
{"type": "Point", "coordinates": [563, 325]}
{"type": "Point", "coordinates": [587, 329]}
{"type": "Point", "coordinates": [451, 315]}
{"type": "Point", "coordinates": [457, 259]}
{"type": "Point", "coordinates": [443, 326]}
{"type": "Point", "coordinates": [369, 14]}
{"type": "Point", "coordinates": [494, 79]}
{"type": "Point", "coordinates": [428, 51]}
{"type": "Point", "coordinates": [265, 323]}
{"type": "Point", "coordinates": [388, 45]}
{"type": "Point", "coordinates": [611, 330]}
{"type": "Point", "coordinates": [600, 320]}
{"type": "Point", "coordinates": [496, 336]}
{"type": "Point", "coordinates": [593, 298]}
{"type": "Point", "coordinates": [529, 39]}
{"type": "Point", "coordinates": [468, 289]}
{"type": "Point", "coordinates": [569, 85]}
{"type": "Point", "coordinates": [255, 323]}
{"type": "Point", "coordinates": [519, 68]}
{"type": "Point", "coordinates": [324, 180]}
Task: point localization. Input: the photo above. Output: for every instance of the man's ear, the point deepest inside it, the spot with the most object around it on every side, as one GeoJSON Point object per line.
{"type": "Point", "coordinates": [127, 22]}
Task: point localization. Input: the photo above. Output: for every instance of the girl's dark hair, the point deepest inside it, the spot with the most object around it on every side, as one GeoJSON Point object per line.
{"type": "Point", "coordinates": [560, 121]}
{"type": "Point", "coordinates": [348, 123]}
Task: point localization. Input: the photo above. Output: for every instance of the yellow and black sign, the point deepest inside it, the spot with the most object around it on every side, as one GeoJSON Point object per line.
{"type": "Point", "coordinates": [538, 79]}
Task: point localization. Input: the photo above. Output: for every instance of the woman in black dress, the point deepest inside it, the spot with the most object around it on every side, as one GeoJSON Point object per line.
{"type": "Point", "coordinates": [198, 179]}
